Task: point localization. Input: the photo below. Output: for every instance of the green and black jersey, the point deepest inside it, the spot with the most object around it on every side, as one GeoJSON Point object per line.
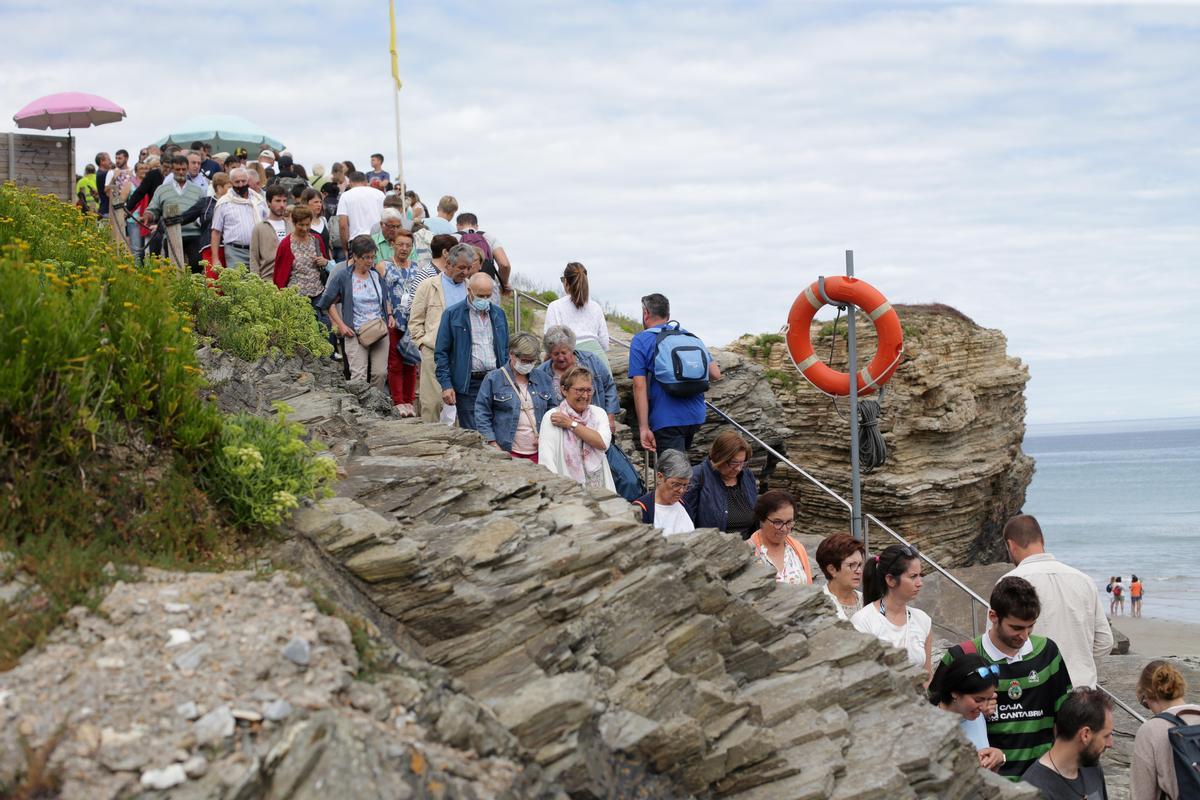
{"type": "Point", "coordinates": [1028, 696]}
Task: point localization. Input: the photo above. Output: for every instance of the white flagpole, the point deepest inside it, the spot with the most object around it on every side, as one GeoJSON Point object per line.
{"type": "Point", "coordinates": [396, 105]}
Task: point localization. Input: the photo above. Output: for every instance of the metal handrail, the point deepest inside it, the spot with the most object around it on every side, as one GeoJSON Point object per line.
{"type": "Point", "coordinates": [971, 594]}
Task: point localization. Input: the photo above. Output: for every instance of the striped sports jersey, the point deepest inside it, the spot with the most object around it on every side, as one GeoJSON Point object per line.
{"type": "Point", "coordinates": [1028, 696]}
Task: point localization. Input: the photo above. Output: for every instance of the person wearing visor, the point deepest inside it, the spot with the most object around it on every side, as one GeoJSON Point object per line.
{"type": "Point", "coordinates": [513, 399]}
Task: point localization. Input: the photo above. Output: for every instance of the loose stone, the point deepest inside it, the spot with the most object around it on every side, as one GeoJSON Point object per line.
{"type": "Point", "coordinates": [164, 778]}
{"type": "Point", "coordinates": [297, 651]}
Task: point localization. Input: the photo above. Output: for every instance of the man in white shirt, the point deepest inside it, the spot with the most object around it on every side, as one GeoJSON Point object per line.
{"type": "Point", "coordinates": [1072, 612]}
{"type": "Point", "coordinates": [359, 208]}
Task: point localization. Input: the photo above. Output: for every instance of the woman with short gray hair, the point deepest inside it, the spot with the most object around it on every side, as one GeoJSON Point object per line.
{"type": "Point", "coordinates": [662, 507]}
{"type": "Point", "coordinates": [513, 399]}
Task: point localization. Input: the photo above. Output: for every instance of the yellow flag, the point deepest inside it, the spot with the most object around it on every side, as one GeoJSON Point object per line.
{"type": "Point", "coordinates": [392, 47]}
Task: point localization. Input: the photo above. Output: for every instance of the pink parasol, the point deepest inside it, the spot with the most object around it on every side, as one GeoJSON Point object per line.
{"type": "Point", "coordinates": [68, 110]}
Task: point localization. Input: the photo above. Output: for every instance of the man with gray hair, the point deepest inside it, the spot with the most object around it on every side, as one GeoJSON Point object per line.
{"type": "Point", "coordinates": [662, 507]}
{"type": "Point", "coordinates": [472, 341]}
{"type": "Point", "coordinates": [391, 223]}
{"type": "Point", "coordinates": [234, 219]}
{"type": "Point", "coordinates": [431, 300]}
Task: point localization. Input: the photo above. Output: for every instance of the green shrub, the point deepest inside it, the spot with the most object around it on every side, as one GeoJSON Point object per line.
{"type": "Point", "coordinates": [250, 317]}
{"type": "Point", "coordinates": [84, 357]}
{"type": "Point", "coordinates": [263, 466]}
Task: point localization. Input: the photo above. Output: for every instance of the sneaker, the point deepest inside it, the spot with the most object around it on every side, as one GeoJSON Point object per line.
{"type": "Point", "coordinates": [337, 356]}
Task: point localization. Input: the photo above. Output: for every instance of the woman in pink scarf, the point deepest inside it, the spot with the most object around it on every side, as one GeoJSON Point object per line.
{"type": "Point", "coordinates": [575, 436]}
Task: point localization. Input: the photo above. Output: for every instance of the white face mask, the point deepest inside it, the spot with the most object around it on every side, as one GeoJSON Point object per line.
{"type": "Point", "coordinates": [523, 367]}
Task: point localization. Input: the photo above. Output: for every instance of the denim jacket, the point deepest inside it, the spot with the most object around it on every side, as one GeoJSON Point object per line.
{"type": "Point", "coordinates": [497, 406]}
{"type": "Point", "coordinates": [604, 389]}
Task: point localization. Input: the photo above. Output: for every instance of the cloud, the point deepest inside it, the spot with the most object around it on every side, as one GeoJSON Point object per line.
{"type": "Point", "coordinates": [1034, 165]}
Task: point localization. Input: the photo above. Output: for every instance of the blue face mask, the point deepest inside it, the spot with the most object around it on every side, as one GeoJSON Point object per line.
{"type": "Point", "coordinates": [481, 303]}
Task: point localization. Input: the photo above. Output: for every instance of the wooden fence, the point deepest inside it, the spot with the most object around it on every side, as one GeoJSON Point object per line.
{"type": "Point", "coordinates": [45, 163]}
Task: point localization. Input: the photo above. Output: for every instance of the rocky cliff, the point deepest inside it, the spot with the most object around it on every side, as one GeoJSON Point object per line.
{"type": "Point", "coordinates": [540, 643]}
{"type": "Point", "coordinates": [623, 663]}
{"type": "Point", "coordinates": [953, 420]}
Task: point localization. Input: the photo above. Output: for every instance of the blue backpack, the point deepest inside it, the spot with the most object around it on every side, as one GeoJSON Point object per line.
{"type": "Point", "coordinates": [1185, 745]}
{"type": "Point", "coordinates": [680, 361]}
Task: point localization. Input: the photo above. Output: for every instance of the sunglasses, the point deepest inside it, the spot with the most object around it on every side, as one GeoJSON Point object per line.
{"type": "Point", "coordinates": [990, 669]}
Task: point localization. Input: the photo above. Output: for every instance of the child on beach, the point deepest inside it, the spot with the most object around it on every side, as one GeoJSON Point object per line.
{"type": "Point", "coordinates": [1117, 606]}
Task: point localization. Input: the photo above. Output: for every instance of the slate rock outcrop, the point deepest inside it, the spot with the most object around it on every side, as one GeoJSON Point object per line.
{"type": "Point", "coordinates": [953, 420]}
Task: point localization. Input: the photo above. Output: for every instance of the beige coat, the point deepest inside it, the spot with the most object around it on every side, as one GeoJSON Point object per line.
{"type": "Point", "coordinates": [263, 244]}
{"type": "Point", "coordinates": [426, 314]}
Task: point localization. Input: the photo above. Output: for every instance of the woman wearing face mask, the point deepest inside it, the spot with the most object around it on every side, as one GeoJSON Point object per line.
{"type": "Point", "coordinates": [892, 580]}
{"type": "Point", "coordinates": [967, 686]}
{"type": "Point", "coordinates": [513, 399]}
{"type": "Point", "coordinates": [661, 508]}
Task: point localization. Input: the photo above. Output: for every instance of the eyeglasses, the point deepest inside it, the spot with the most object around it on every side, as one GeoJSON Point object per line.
{"type": "Point", "coordinates": [990, 669]}
{"type": "Point", "coordinates": [908, 551]}
{"type": "Point", "coordinates": [735, 464]}
{"type": "Point", "coordinates": [676, 484]}
{"type": "Point", "coordinates": [581, 390]}
{"type": "Point", "coordinates": [782, 524]}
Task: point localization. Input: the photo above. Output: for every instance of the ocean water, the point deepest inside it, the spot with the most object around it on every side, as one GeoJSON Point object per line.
{"type": "Point", "coordinates": [1121, 498]}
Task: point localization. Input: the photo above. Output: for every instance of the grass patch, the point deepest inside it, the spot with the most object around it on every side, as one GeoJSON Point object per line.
{"type": "Point", "coordinates": [763, 344]}
{"type": "Point", "coordinates": [784, 378]}
{"type": "Point", "coordinates": [623, 321]}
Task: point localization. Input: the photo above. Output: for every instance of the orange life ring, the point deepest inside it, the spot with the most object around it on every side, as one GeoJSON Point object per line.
{"type": "Point", "coordinates": [868, 299]}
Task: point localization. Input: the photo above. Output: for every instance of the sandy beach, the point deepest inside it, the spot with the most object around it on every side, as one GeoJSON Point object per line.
{"type": "Point", "coordinates": [1159, 637]}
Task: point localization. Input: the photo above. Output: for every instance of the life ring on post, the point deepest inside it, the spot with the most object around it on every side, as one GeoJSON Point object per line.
{"type": "Point", "coordinates": [839, 289]}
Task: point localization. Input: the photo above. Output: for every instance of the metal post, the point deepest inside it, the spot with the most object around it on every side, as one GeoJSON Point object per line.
{"type": "Point", "coordinates": [517, 311]}
{"type": "Point", "coordinates": [856, 521]}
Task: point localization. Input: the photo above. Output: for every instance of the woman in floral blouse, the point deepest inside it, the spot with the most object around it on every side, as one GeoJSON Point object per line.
{"type": "Point", "coordinates": [773, 541]}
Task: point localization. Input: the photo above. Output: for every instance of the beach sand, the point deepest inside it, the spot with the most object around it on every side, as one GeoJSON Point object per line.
{"type": "Point", "coordinates": [1159, 637]}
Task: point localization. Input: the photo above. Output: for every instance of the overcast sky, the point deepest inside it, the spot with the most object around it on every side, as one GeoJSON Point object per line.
{"type": "Point", "coordinates": [1035, 166]}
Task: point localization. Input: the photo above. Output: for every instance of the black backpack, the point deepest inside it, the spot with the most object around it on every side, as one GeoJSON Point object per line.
{"type": "Point", "coordinates": [1185, 744]}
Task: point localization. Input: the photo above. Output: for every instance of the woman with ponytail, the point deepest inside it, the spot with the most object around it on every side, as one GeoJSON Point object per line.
{"type": "Point", "coordinates": [967, 686]}
{"type": "Point", "coordinates": [579, 313]}
{"type": "Point", "coordinates": [892, 580]}
{"type": "Point", "coordinates": [1161, 689]}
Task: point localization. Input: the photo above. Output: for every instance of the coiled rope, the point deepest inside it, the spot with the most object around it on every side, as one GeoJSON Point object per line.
{"type": "Point", "coordinates": [872, 450]}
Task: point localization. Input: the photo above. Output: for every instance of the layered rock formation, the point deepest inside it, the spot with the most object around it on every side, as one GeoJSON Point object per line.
{"type": "Point", "coordinates": [953, 419]}
{"type": "Point", "coordinates": [618, 659]}
{"type": "Point", "coordinates": [543, 644]}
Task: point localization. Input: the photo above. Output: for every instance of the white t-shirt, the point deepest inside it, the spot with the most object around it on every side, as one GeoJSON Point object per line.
{"type": "Point", "coordinates": [909, 637]}
{"type": "Point", "coordinates": [588, 322]}
{"type": "Point", "coordinates": [280, 227]}
{"type": "Point", "coordinates": [672, 519]}
{"type": "Point", "coordinates": [362, 206]}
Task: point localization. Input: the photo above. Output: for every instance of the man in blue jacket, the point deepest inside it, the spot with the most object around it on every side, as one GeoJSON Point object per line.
{"type": "Point", "coordinates": [472, 341]}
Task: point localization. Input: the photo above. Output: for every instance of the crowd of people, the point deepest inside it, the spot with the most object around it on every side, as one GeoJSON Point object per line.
{"type": "Point", "coordinates": [412, 301]}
